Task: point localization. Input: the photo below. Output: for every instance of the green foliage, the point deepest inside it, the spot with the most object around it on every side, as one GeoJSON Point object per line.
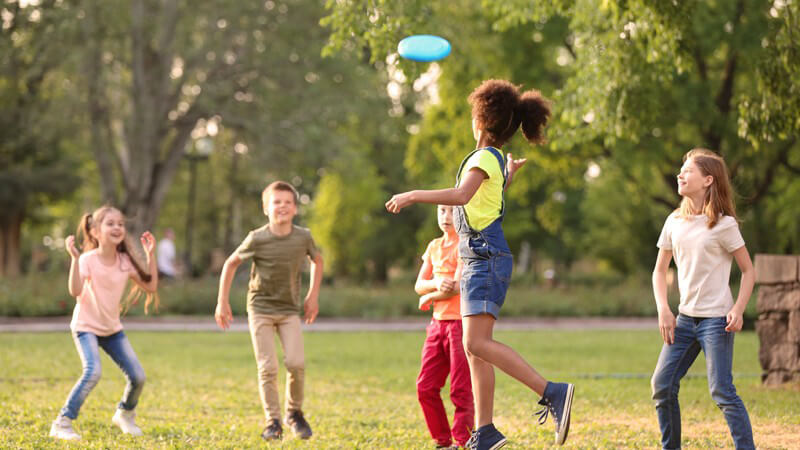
{"type": "Point", "coordinates": [201, 391]}
{"type": "Point", "coordinates": [344, 220]}
{"type": "Point", "coordinates": [635, 85]}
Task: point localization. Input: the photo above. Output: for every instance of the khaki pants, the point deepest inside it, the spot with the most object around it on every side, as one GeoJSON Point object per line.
{"type": "Point", "coordinates": [262, 332]}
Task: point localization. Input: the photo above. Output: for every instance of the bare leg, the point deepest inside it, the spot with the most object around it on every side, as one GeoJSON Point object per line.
{"type": "Point", "coordinates": [479, 343]}
{"type": "Point", "coordinates": [482, 375]}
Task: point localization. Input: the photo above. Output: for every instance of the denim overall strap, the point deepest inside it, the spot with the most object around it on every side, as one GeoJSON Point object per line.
{"type": "Point", "coordinates": [502, 163]}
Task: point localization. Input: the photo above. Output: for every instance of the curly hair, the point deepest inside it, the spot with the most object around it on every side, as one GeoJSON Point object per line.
{"type": "Point", "coordinates": [500, 109]}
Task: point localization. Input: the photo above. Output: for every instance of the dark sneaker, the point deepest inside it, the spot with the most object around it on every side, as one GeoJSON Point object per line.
{"type": "Point", "coordinates": [557, 400]}
{"type": "Point", "coordinates": [298, 424]}
{"type": "Point", "coordinates": [448, 447]}
{"type": "Point", "coordinates": [486, 438]}
{"type": "Point", "coordinates": [273, 430]}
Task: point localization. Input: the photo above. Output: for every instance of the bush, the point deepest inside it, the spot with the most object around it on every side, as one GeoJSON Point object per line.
{"type": "Point", "coordinates": [45, 294]}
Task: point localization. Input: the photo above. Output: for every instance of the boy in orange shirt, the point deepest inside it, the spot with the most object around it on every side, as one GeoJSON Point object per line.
{"type": "Point", "coordinates": [443, 351]}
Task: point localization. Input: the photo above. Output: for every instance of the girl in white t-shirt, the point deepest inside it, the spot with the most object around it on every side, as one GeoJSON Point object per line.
{"type": "Point", "coordinates": [97, 279]}
{"type": "Point", "coordinates": [703, 236]}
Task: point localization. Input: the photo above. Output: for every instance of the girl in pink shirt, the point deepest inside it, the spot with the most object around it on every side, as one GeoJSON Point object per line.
{"type": "Point", "coordinates": [97, 279]}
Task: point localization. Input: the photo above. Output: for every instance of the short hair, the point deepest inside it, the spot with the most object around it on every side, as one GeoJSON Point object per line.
{"type": "Point", "coordinates": [279, 186]}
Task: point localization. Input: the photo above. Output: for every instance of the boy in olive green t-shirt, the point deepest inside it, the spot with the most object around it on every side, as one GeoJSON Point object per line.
{"type": "Point", "coordinates": [279, 250]}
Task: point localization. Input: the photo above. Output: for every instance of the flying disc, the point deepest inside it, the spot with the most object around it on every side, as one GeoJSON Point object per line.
{"type": "Point", "coordinates": [423, 47]}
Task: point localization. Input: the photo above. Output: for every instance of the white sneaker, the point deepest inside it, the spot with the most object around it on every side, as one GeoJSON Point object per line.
{"type": "Point", "coordinates": [126, 421]}
{"type": "Point", "coordinates": [62, 429]}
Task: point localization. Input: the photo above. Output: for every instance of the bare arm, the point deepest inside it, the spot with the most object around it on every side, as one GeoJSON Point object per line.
{"type": "Point", "coordinates": [734, 317]}
{"type": "Point", "coordinates": [425, 283]}
{"type": "Point", "coordinates": [311, 304]}
{"type": "Point", "coordinates": [223, 314]}
{"type": "Point", "coordinates": [460, 195]}
{"type": "Point", "coordinates": [149, 245]}
{"type": "Point", "coordinates": [75, 282]}
{"type": "Point", "coordinates": [666, 320]}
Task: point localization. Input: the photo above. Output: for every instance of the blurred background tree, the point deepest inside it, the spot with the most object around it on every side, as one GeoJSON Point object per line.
{"type": "Point", "coordinates": [181, 112]}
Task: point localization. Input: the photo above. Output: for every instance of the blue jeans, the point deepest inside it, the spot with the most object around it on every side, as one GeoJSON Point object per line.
{"type": "Point", "coordinates": [487, 265]}
{"type": "Point", "coordinates": [119, 349]}
{"type": "Point", "coordinates": [692, 335]}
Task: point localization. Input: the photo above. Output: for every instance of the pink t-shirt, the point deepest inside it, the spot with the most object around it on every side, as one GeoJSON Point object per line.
{"type": "Point", "coordinates": [97, 309]}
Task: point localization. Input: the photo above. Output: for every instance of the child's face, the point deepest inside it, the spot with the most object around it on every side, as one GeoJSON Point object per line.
{"type": "Point", "coordinates": [691, 179]}
{"type": "Point", "coordinates": [111, 229]}
{"type": "Point", "coordinates": [445, 218]}
{"type": "Point", "coordinates": [280, 207]}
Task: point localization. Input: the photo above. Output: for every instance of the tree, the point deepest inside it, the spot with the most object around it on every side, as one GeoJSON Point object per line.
{"type": "Point", "coordinates": [34, 164]}
{"type": "Point", "coordinates": [639, 84]}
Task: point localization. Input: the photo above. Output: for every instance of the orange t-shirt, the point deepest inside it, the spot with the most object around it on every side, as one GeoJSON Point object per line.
{"type": "Point", "coordinates": [444, 260]}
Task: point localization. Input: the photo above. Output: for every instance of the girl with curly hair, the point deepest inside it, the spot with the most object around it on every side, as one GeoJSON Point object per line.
{"type": "Point", "coordinates": [498, 111]}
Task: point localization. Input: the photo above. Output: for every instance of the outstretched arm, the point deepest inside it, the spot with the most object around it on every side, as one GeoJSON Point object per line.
{"type": "Point", "coordinates": [460, 195]}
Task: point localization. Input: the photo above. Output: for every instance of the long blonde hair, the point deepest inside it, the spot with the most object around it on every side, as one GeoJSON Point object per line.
{"type": "Point", "coordinates": [89, 242]}
{"type": "Point", "coordinates": [718, 200]}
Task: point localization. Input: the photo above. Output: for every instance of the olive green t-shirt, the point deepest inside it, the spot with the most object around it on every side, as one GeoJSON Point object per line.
{"type": "Point", "coordinates": [274, 286]}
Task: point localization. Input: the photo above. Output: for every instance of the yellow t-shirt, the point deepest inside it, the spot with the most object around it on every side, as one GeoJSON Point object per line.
{"type": "Point", "coordinates": [484, 207]}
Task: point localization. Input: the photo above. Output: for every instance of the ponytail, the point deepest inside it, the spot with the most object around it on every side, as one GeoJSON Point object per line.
{"type": "Point", "coordinates": [84, 233]}
{"type": "Point", "coordinates": [534, 113]}
{"type": "Point", "coordinates": [500, 110]}
{"type": "Point", "coordinates": [136, 292]}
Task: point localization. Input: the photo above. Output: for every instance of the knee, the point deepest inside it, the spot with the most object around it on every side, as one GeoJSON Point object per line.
{"type": "Point", "coordinates": [724, 395]}
{"type": "Point", "coordinates": [295, 364]}
{"type": "Point", "coordinates": [660, 387]}
{"type": "Point", "coordinates": [138, 378]}
{"type": "Point", "coordinates": [474, 346]}
{"type": "Point", "coordinates": [91, 374]}
{"type": "Point", "coordinates": [426, 389]}
{"type": "Point", "coordinates": [267, 370]}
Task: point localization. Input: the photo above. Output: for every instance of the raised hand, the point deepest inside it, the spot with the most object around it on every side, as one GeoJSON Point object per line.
{"type": "Point", "coordinates": [148, 242]}
{"type": "Point", "coordinates": [512, 165]}
{"type": "Point", "coordinates": [69, 244]}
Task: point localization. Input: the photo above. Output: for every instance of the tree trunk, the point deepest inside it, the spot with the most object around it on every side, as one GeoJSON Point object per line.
{"type": "Point", "coordinates": [10, 232]}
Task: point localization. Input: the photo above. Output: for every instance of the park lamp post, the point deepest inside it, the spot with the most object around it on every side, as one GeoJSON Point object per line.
{"type": "Point", "coordinates": [199, 151]}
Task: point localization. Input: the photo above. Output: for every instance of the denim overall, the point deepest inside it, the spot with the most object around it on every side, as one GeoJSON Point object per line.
{"type": "Point", "coordinates": [485, 256]}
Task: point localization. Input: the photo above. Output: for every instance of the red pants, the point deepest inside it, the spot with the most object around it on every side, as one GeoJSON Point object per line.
{"type": "Point", "coordinates": [443, 353]}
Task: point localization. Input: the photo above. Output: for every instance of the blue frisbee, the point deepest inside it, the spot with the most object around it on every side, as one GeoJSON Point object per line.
{"type": "Point", "coordinates": [423, 47]}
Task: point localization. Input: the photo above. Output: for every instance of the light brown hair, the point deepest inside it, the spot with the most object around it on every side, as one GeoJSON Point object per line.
{"type": "Point", "coordinates": [278, 186]}
{"type": "Point", "coordinates": [718, 200]}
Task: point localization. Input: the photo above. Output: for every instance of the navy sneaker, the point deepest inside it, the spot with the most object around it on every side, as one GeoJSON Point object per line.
{"type": "Point", "coordinates": [273, 430]}
{"type": "Point", "coordinates": [486, 438]}
{"type": "Point", "coordinates": [298, 424]}
{"type": "Point", "coordinates": [557, 400]}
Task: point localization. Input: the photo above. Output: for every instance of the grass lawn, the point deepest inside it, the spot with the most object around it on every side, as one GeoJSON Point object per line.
{"type": "Point", "coordinates": [202, 393]}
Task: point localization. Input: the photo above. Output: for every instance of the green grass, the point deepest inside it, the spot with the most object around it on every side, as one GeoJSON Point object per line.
{"type": "Point", "coordinates": [202, 393]}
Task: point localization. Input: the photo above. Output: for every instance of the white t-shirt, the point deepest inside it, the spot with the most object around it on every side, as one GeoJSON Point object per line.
{"type": "Point", "coordinates": [703, 257]}
{"type": "Point", "coordinates": [166, 257]}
